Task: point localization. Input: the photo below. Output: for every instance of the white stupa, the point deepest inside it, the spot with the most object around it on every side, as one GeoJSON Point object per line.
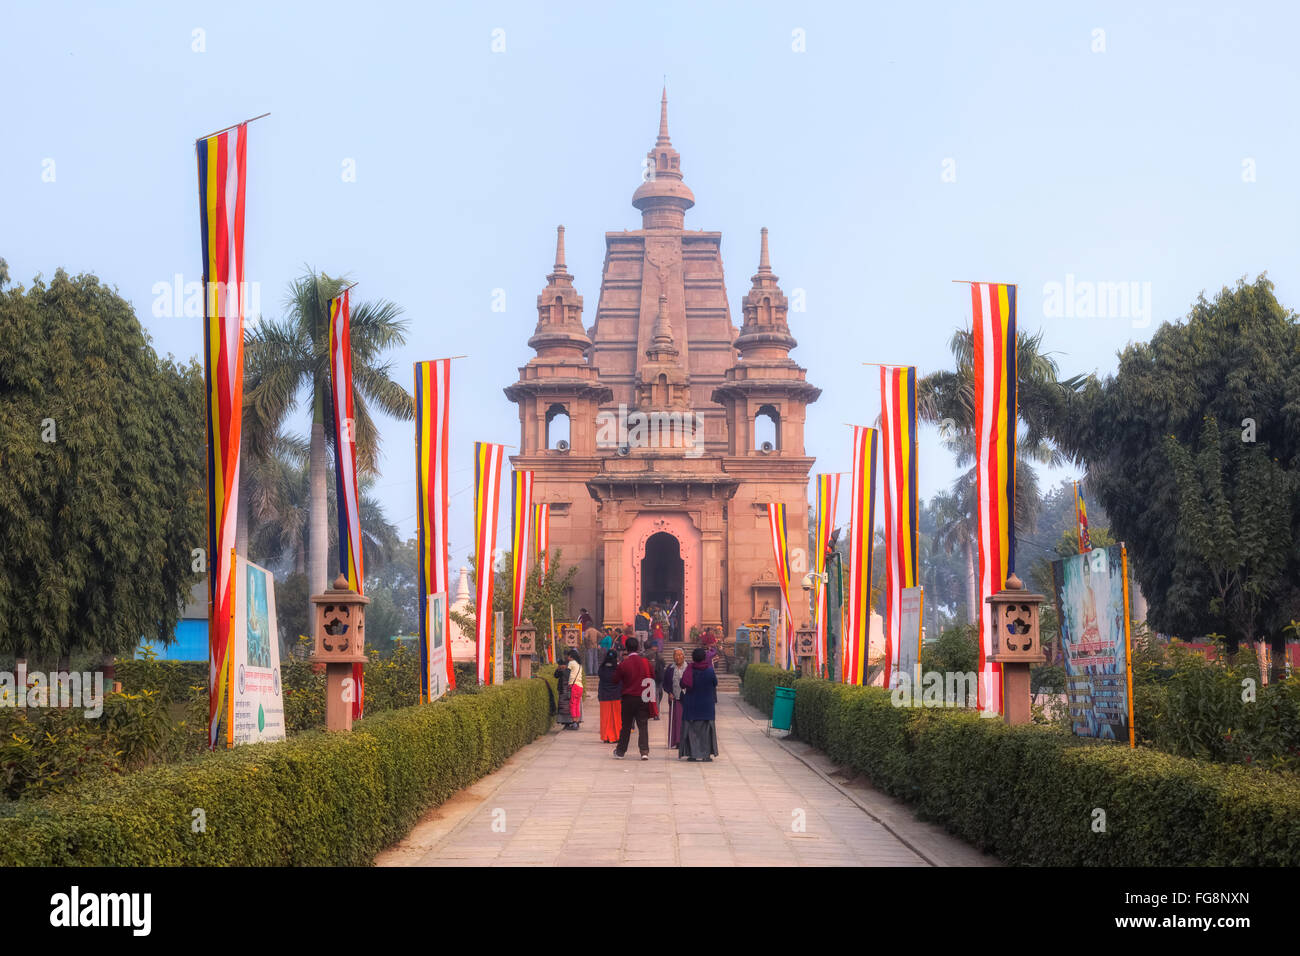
{"type": "Point", "coordinates": [462, 645]}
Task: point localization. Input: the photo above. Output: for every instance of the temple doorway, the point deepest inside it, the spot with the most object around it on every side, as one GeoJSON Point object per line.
{"type": "Point", "coordinates": [663, 578]}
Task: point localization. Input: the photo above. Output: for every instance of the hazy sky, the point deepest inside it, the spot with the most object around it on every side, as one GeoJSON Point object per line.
{"type": "Point", "coordinates": [888, 148]}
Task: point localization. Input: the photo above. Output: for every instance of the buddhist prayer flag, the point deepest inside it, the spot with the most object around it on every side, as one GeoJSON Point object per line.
{"type": "Point", "coordinates": [828, 493]}
{"type": "Point", "coordinates": [221, 227]}
{"type": "Point", "coordinates": [542, 535]}
{"type": "Point", "coordinates": [776, 519]}
{"type": "Point", "coordinates": [521, 523]}
{"type": "Point", "coordinates": [993, 307]}
{"type": "Point", "coordinates": [1081, 517]}
{"type": "Point", "coordinates": [862, 523]}
{"type": "Point", "coordinates": [487, 498]}
{"type": "Point", "coordinates": [432, 432]}
{"type": "Point", "coordinates": [351, 564]}
{"type": "Point", "coordinates": [898, 437]}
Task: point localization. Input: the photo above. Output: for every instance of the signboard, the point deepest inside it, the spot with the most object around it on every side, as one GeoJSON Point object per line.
{"type": "Point", "coordinates": [1092, 601]}
{"type": "Point", "coordinates": [909, 634]}
{"type": "Point", "coordinates": [257, 696]}
{"type": "Point", "coordinates": [773, 655]}
{"type": "Point", "coordinates": [498, 659]}
{"type": "Point", "coordinates": [437, 650]}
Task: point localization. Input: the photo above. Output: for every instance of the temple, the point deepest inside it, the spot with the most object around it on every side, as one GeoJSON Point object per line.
{"type": "Point", "coordinates": [660, 433]}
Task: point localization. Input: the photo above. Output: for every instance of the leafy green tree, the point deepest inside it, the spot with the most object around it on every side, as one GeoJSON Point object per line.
{"type": "Point", "coordinates": [1204, 528]}
{"type": "Point", "coordinates": [1234, 519]}
{"type": "Point", "coordinates": [102, 503]}
{"type": "Point", "coordinates": [283, 356]}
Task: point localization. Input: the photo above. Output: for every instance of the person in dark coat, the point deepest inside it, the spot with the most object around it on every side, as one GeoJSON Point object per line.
{"type": "Point", "coordinates": [609, 691]}
{"type": "Point", "coordinates": [699, 711]}
{"type": "Point", "coordinates": [564, 706]}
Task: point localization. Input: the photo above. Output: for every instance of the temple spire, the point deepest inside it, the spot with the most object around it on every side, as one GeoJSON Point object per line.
{"type": "Point", "coordinates": [765, 336]}
{"type": "Point", "coordinates": [764, 261]}
{"type": "Point", "coordinates": [560, 268]}
{"type": "Point", "coordinates": [663, 120]}
{"type": "Point", "coordinates": [662, 197]}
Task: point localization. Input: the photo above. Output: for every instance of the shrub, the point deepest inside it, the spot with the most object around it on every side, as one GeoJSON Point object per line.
{"type": "Point", "coordinates": [315, 799]}
{"type": "Point", "coordinates": [1029, 794]}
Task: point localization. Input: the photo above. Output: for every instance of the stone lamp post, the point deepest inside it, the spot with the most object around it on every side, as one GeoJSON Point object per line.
{"type": "Point", "coordinates": [1016, 645]}
{"type": "Point", "coordinates": [805, 649]}
{"type": "Point", "coordinates": [525, 646]}
{"type": "Point", "coordinates": [340, 634]}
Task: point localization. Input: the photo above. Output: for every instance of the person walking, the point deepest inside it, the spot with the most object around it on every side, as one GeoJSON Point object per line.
{"type": "Point", "coordinates": [637, 680]}
{"type": "Point", "coordinates": [657, 665]}
{"type": "Point", "coordinates": [699, 711]}
{"type": "Point", "coordinates": [575, 689]}
{"type": "Point", "coordinates": [563, 699]}
{"type": "Point", "coordinates": [609, 691]}
{"type": "Point", "coordinates": [590, 640]}
{"type": "Point", "coordinates": [672, 686]}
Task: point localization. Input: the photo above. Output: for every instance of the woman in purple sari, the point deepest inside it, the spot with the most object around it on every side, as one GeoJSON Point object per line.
{"type": "Point", "coordinates": [672, 686]}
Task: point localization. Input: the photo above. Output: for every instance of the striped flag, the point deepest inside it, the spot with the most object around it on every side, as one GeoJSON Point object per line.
{"type": "Point", "coordinates": [993, 307]}
{"type": "Point", "coordinates": [828, 493]}
{"type": "Point", "coordinates": [542, 535]}
{"type": "Point", "coordinates": [898, 432]}
{"type": "Point", "coordinates": [432, 431]}
{"type": "Point", "coordinates": [521, 524]}
{"type": "Point", "coordinates": [776, 519]}
{"type": "Point", "coordinates": [221, 161]}
{"type": "Point", "coordinates": [862, 524]}
{"type": "Point", "coordinates": [348, 497]}
{"type": "Point", "coordinates": [487, 499]}
{"type": "Point", "coordinates": [1081, 518]}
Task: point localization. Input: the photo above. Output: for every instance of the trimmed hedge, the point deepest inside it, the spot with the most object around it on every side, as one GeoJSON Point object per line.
{"type": "Point", "coordinates": [1029, 794]}
{"type": "Point", "coordinates": [315, 799]}
{"type": "Point", "coordinates": [759, 682]}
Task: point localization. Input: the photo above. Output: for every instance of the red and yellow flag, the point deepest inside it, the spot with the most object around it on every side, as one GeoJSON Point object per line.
{"type": "Point", "coordinates": [521, 524]}
{"type": "Point", "coordinates": [898, 436]}
{"type": "Point", "coordinates": [862, 524]}
{"type": "Point", "coordinates": [993, 306]}
{"type": "Point", "coordinates": [1081, 518]}
{"type": "Point", "coordinates": [780, 554]}
{"type": "Point", "coordinates": [348, 492]}
{"type": "Point", "coordinates": [221, 164]}
{"type": "Point", "coordinates": [487, 499]}
{"type": "Point", "coordinates": [432, 432]}
{"type": "Point", "coordinates": [542, 535]}
{"type": "Point", "coordinates": [828, 493]}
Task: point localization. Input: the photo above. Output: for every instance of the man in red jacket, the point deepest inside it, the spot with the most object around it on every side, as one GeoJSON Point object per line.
{"type": "Point", "coordinates": [637, 677]}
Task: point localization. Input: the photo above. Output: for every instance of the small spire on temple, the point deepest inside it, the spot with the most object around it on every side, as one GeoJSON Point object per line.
{"type": "Point", "coordinates": [559, 250]}
{"type": "Point", "coordinates": [663, 120]}
{"type": "Point", "coordinates": [764, 262]}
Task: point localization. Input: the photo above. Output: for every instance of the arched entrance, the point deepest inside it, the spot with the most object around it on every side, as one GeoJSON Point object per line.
{"type": "Point", "coordinates": [662, 563]}
{"type": "Point", "coordinates": [663, 573]}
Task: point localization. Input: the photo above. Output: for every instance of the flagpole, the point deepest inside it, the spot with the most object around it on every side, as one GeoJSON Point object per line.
{"type": "Point", "coordinates": [232, 126]}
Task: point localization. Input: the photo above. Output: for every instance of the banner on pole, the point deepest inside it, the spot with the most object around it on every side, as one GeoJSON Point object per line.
{"type": "Point", "coordinates": [909, 636]}
{"type": "Point", "coordinates": [435, 653]}
{"type": "Point", "coordinates": [257, 694]}
{"type": "Point", "coordinates": [432, 430]}
{"type": "Point", "coordinates": [1092, 600]}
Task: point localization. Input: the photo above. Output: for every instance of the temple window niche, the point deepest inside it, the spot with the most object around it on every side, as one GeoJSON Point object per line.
{"type": "Point", "coordinates": [767, 429]}
{"type": "Point", "coordinates": [557, 428]}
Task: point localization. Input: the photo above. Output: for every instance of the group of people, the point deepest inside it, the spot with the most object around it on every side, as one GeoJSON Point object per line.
{"type": "Point", "coordinates": [631, 689]}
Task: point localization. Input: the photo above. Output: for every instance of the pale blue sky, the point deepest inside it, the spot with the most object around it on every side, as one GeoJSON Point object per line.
{"type": "Point", "coordinates": [1117, 166]}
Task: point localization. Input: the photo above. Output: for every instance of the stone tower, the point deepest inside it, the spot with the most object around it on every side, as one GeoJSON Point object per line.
{"type": "Point", "coordinates": [680, 427]}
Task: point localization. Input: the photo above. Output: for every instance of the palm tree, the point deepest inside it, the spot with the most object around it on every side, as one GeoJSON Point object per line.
{"type": "Point", "coordinates": [283, 356]}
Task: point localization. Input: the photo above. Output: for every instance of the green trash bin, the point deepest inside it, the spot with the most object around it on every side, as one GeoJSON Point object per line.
{"type": "Point", "coordinates": [783, 708]}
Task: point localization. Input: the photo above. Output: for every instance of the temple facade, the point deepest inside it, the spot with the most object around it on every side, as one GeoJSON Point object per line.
{"type": "Point", "coordinates": [660, 433]}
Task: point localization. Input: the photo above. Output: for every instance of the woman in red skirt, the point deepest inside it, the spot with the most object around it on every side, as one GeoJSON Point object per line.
{"type": "Point", "coordinates": [609, 692]}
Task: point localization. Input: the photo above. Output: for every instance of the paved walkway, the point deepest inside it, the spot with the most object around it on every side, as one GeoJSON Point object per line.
{"type": "Point", "coordinates": [564, 800]}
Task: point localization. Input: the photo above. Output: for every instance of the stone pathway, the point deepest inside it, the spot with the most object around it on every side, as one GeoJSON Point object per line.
{"type": "Point", "coordinates": [564, 800]}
